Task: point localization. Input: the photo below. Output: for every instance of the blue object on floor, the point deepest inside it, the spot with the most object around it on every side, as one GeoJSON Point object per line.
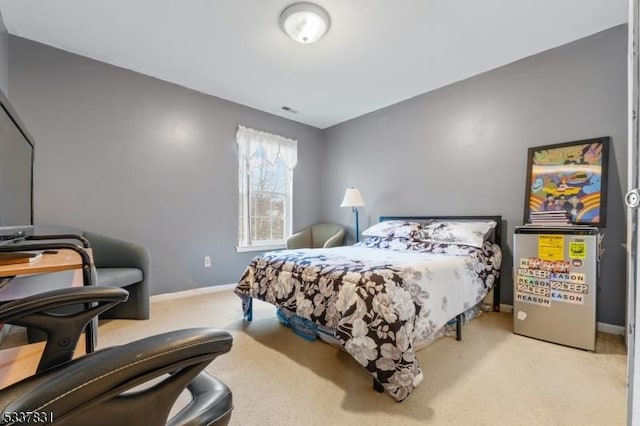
{"type": "Point", "coordinates": [283, 317]}
{"type": "Point", "coordinates": [302, 327]}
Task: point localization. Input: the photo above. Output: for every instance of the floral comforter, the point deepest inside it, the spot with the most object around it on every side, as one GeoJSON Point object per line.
{"type": "Point", "coordinates": [381, 296]}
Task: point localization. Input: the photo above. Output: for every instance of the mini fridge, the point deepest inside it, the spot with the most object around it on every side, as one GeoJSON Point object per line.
{"type": "Point", "coordinates": [555, 284]}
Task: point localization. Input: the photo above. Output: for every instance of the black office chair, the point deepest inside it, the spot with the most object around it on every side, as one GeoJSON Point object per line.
{"type": "Point", "coordinates": [136, 382]}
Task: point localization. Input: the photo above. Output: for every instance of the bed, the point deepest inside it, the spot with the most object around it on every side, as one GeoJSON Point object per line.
{"type": "Point", "coordinates": [386, 296]}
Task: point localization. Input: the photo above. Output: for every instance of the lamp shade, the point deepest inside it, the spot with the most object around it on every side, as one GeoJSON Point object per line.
{"type": "Point", "coordinates": [305, 22]}
{"type": "Point", "coordinates": [352, 198]}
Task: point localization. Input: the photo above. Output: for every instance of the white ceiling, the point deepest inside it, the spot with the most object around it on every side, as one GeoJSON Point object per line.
{"type": "Point", "coordinates": [377, 52]}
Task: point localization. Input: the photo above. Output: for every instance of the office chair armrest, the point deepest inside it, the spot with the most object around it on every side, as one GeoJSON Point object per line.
{"type": "Point", "coordinates": [106, 373]}
{"type": "Point", "coordinates": [42, 302]}
{"type": "Point", "coordinates": [63, 329]}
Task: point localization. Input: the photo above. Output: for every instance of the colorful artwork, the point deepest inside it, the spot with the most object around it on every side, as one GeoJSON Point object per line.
{"type": "Point", "coordinates": [570, 177]}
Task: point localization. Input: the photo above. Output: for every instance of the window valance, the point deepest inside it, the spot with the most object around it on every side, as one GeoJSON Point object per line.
{"type": "Point", "coordinates": [250, 141]}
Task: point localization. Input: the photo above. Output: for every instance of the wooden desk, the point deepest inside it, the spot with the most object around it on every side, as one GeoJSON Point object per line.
{"type": "Point", "coordinates": [63, 260]}
{"type": "Point", "coordinates": [65, 268]}
{"type": "Point", "coordinates": [20, 362]}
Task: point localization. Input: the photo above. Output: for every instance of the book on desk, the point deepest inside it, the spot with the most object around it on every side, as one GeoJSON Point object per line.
{"type": "Point", "coordinates": [13, 257]}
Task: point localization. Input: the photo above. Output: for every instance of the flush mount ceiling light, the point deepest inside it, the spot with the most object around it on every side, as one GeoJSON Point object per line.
{"type": "Point", "coordinates": [305, 22]}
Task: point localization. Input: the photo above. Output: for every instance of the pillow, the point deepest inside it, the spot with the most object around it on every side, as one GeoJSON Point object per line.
{"type": "Point", "coordinates": [408, 230]}
{"type": "Point", "coordinates": [392, 228]}
{"type": "Point", "coordinates": [451, 232]}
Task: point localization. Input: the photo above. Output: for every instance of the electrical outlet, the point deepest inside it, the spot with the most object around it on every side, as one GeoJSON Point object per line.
{"type": "Point", "coordinates": [207, 261]}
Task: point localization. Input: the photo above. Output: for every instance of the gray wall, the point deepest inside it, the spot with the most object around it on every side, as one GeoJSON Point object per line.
{"type": "Point", "coordinates": [4, 57]}
{"type": "Point", "coordinates": [462, 149]}
{"type": "Point", "coordinates": [137, 158]}
{"type": "Point", "coordinates": [141, 159]}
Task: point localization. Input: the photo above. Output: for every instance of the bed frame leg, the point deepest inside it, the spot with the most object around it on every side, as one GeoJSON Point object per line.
{"type": "Point", "coordinates": [377, 386]}
{"type": "Point", "coordinates": [247, 308]}
{"type": "Point", "coordinates": [459, 327]}
{"type": "Point", "coordinates": [496, 295]}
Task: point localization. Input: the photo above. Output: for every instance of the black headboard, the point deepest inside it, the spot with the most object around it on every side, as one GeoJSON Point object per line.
{"type": "Point", "coordinates": [495, 238]}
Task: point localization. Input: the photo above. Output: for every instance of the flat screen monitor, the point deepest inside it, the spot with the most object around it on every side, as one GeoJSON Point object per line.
{"type": "Point", "coordinates": [16, 175]}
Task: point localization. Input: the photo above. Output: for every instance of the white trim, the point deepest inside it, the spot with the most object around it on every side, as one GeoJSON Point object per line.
{"type": "Point", "coordinates": [600, 326]}
{"type": "Point", "coordinates": [610, 328]}
{"type": "Point", "coordinates": [192, 292]}
{"type": "Point", "coordinates": [243, 249]}
{"type": "Point", "coordinates": [506, 308]}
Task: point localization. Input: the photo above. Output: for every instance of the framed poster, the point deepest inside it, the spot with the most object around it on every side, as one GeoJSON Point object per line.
{"type": "Point", "coordinates": [570, 177]}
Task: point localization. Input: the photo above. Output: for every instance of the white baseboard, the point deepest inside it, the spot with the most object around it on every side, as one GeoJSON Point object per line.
{"type": "Point", "coordinates": [610, 328]}
{"type": "Point", "coordinates": [600, 326]}
{"type": "Point", "coordinates": [506, 308]}
{"type": "Point", "coordinates": [193, 292]}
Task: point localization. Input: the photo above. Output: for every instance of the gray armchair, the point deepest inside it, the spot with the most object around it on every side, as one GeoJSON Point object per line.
{"type": "Point", "coordinates": [321, 235]}
{"type": "Point", "coordinates": [118, 263]}
{"type": "Point", "coordinates": [126, 265]}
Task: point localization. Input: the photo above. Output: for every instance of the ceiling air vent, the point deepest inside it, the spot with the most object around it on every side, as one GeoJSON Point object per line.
{"type": "Point", "coordinates": [289, 109]}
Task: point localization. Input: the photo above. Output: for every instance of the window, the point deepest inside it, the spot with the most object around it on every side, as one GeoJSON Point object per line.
{"type": "Point", "coordinates": [266, 164]}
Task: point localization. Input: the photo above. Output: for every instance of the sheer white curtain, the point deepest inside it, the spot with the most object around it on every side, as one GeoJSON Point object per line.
{"type": "Point", "coordinates": [250, 140]}
{"type": "Point", "coordinates": [266, 164]}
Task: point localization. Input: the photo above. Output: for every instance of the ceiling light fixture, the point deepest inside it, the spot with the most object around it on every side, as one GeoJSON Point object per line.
{"type": "Point", "coordinates": [305, 22]}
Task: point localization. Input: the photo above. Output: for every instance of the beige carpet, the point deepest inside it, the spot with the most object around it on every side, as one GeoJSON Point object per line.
{"type": "Point", "coordinates": [492, 377]}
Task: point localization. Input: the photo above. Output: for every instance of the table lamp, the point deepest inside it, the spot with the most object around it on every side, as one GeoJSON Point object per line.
{"type": "Point", "coordinates": [353, 199]}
